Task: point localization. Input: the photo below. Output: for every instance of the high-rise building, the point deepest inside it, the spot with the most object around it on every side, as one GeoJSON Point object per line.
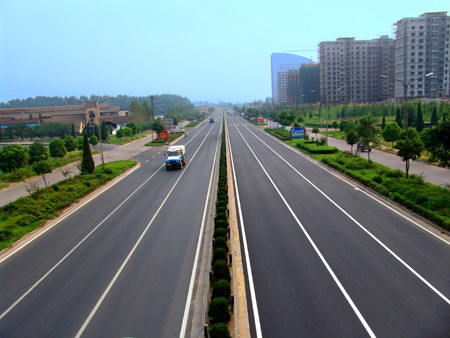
{"type": "Point", "coordinates": [308, 87]}
{"type": "Point", "coordinates": [350, 69]}
{"type": "Point", "coordinates": [281, 63]}
{"type": "Point", "coordinates": [421, 48]}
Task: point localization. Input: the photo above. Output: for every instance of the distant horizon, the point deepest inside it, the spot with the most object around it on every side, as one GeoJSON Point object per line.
{"type": "Point", "coordinates": [204, 51]}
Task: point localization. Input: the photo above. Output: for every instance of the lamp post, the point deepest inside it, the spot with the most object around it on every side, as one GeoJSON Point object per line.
{"type": "Point", "coordinates": [97, 105]}
{"type": "Point", "coordinates": [405, 95]}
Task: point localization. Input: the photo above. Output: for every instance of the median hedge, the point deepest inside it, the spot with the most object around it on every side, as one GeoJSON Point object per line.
{"type": "Point", "coordinates": [219, 307]}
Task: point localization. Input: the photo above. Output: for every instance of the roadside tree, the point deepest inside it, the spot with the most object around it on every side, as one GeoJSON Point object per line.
{"type": "Point", "coordinates": [57, 148]}
{"type": "Point", "coordinates": [437, 142]}
{"type": "Point", "coordinates": [37, 152]}
{"type": "Point", "coordinates": [352, 138]}
{"type": "Point", "coordinates": [70, 143]}
{"type": "Point", "coordinates": [367, 132]}
{"type": "Point", "coordinates": [392, 133]}
{"type": "Point", "coordinates": [409, 147]}
{"type": "Point", "coordinates": [93, 140]}
{"type": "Point", "coordinates": [42, 168]}
{"type": "Point", "coordinates": [13, 157]}
{"type": "Point", "coordinates": [87, 164]}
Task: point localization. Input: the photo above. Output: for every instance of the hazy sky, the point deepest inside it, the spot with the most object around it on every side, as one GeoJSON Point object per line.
{"type": "Point", "coordinates": [201, 49]}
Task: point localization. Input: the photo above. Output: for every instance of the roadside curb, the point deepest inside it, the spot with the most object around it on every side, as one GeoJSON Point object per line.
{"type": "Point", "coordinates": [241, 319]}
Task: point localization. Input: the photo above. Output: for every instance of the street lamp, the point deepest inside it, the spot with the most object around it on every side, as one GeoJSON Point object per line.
{"type": "Point", "coordinates": [405, 95]}
{"type": "Point", "coordinates": [97, 105]}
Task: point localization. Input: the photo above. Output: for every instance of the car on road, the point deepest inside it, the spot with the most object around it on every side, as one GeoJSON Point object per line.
{"type": "Point", "coordinates": [363, 146]}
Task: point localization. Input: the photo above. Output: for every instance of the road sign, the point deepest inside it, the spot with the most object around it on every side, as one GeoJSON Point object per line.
{"type": "Point", "coordinates": [298, 132]}
{"type": "Point", "coordinates": [283, 126]}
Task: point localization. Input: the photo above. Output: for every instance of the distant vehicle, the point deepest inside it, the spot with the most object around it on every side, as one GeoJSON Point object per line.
{"type": "Point", "coordinates": [211, 120]}
{"type": "Point", "coordinates": [362, 146]}
{"type": "Point", "coordinates": [176, 157]}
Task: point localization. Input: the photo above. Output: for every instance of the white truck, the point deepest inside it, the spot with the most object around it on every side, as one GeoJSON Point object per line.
{"type": "Point", "coordinates": [175, 157]}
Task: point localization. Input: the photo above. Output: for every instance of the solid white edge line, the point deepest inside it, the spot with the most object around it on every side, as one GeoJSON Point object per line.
{"type": "Point", "coordinates": [130, 254]}
{"type": "Point", "coordinates": [79, 243]}
{"type": "Point", "coordinates": [247, 256]}
{"type": "Point", "coordinates": [197, 252]}
{"type": "Point", "coordinates": [316, 249]}
{"type": "Point", "coordinates": [384, 246]}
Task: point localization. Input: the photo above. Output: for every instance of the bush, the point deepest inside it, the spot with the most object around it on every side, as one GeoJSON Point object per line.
{"type": "Point", "coordinates": [377, 179]}
{"type": "Point", "coordinates": [220, 242]}
{"type": "Point", "coordinates": [220, 254]}
{"type": "Point", "coordinates": [218, 310]}
{"type": "Point", "coordinates": [25, 220]}
{"type": "Point", "coordinates": [221, 270]}
{"type": "Point", "coordinates": [220, 232]}
{"type": "Point", "coordinates": [221, 288]}
{"type": "Point", "coordinates": [221, 223]}
{"type": "Point", "coordinates": [219, 330]}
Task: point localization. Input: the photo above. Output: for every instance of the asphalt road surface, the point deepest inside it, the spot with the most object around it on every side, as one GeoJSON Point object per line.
{"type": "Point", "coordinates": [122, 264]}
{"type": "Point", "coordinates": [326, 258]}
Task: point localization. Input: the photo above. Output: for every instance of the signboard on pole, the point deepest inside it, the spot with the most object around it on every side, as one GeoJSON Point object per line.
{"type": "Point", "coordinates": [273, 125]}
{"type": "Point", "coordinates": [298, 132]}
{"type": "Point", "coordinates": [167, 124]}
{"type": "Point", "coordinates": [176, 129]}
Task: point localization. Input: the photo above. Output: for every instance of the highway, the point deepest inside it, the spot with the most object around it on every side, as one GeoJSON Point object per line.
{"type": "Point", "coordinates": [122, 265]}
{"type": "Point", "coordinates": [324, 257]}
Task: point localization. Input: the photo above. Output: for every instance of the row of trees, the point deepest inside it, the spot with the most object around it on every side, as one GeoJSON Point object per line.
{"type": "Point", "coordinates": [410, 143]}
{"type": "Point", "coordinates": [162, 103]}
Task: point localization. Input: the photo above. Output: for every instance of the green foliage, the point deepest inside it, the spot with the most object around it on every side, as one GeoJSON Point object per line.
{"type": "Point", "coordinates": [218, 310]}
{"type": "Point", "coordinates": [57, 148]}
{"type": "Point", "coordinates": [37, 152]}
{"type": "Point", "coordinates": [220, 242]}
{"type": "Point", "coordinates": [314, 148]}
{"type": "Point", "coordinates": [93, 140]}
{"type": "Point", "coordinates": [409, 147]}
{"type": "Point", "coordinates": [135, 128]}
{"type": "Point", "coordinates": [437, 141]}
{"type": "Point", "coordinates": [220, 254]}
{"type": "Point", "coordinates": [80, 143]}
{"type": "Point", "coordinates": [420, 125]}
{"type": "Point", "coordinates": [352, 138]}
{"type": "Point", "coordinates": [221, 288]}
{"type": "Point", "coordinates": [13, 157]}
{"type": "Point", "coordinates": [104, 131]}
{"type": "Point", "coordinates": [158, 126]}
{"type": "Point", "coordinates": [221, 270]}
{"type": "Point", "coordinates": [70, 143]}
{"type": "Point", "coordinates": [367, 131]}
{"type": "Point", "coordinates": [87, 164]}
{"type": "Point", "coordinates": [392, 133]}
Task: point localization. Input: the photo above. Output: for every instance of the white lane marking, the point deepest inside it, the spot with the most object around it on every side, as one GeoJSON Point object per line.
{"type": "Point", "coordinates": [197, 252]}
{"type": "Point", "coordinates": [247, 256]}
{"type": "Point", "coordinates": [343, 179]}
{"type": "Point", "coordinates": [316, 249]}
{"type": "Point", "coordinates": [384, 246]}
{"type": "Point", "coordinates": [68, 214]}
{"type": "Point", "coordinates": [75, 247]}
{"type": "Point", "coordinates": [130, 254]}
{"type": "Point", "coordinates": [79, 243]}
{"type": "Point", "coordinates": [146, 161]}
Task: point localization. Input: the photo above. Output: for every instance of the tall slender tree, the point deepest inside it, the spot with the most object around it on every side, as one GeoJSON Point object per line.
{"type": "Point", "coordinates": [419, 120]}
{"type": "Point", "coordinates": [398, 117]}
{"type": "Point", "coordinates": [434, 118]}
{"type": "Point", "coordinates": [87, 164]}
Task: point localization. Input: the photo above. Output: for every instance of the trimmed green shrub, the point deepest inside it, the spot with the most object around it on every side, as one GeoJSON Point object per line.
{"type": "Point", "coordinates": [221, 223]}
{"type": "Point", "coordinates": [219, 330]}
{"type": "Point", "coordinates": [220, 242]}
{"type": "Point", "coordinates": [220, 254]}
{"type": "Point", "coordinates": [221, 270]}
{"type": "Point", "coordinates": [218, 310]}
{"type": "Point", "coordinates": [220, 232]}
{"type": "Point", "coordinates": [221, 288]}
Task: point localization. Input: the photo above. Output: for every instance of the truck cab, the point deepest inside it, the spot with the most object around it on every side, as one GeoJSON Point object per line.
{"type": "Point", "coordinates": [211, 120]}
{"type": "Point", "coordinates": [175, 157]}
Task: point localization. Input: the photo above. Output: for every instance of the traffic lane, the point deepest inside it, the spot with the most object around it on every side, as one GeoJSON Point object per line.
{"type": "Point", "coordinates": [417, 247]}
{"type": "Point", "coordinates": [66, 296]}
{"type": "Point", "coordinates": [98, 237]}
{"type": "Point", "coordinates": [335, 239]}
{"type": "Point", "coordinates": [296, 295]}
{"type": "Point", "coordinates": [21, 270]}
{"type": "Point", "coordinates": [156, 279]}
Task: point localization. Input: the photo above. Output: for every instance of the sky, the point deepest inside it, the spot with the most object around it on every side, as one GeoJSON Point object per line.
{"type": "Point", "coordinates": [205, 50]}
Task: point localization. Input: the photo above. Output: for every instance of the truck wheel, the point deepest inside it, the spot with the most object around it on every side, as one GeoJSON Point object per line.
{"type": "Point", "coordinates": [167, 168]}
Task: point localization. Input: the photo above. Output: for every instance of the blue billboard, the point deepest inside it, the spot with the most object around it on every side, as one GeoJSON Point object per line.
{"type": "Point", "coordinates": [298, 132]}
